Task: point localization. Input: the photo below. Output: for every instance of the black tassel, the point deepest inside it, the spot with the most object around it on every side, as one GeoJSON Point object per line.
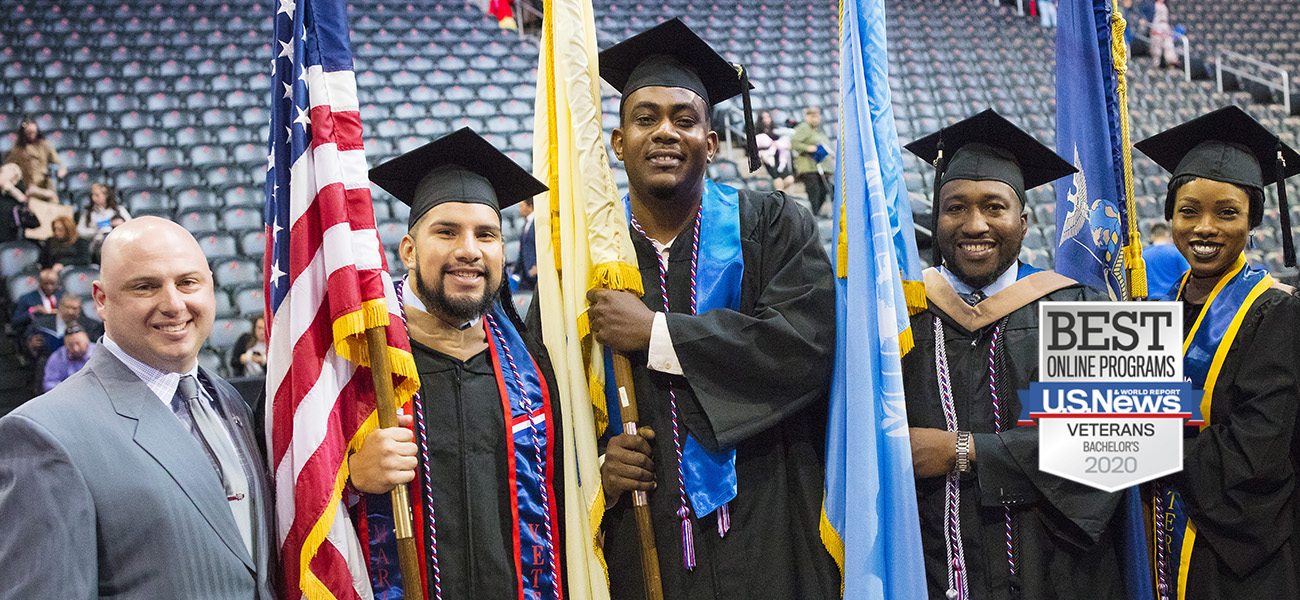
{"type": "Point", "coordinates": [751, 139]}
{"type": "Point", "coordinates": [936, 257]}
{"type": "Point", "coordinates": [1284, 211]}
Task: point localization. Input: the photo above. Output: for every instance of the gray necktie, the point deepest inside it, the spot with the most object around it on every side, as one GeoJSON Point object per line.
{"type": "Point", "coordinates": [208, 425]}
{"type": "Point", "coordinates": [974, 297]}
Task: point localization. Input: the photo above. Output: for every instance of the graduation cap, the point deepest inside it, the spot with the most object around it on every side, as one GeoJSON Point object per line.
{"type": "Point", "coordinates": [671, 55]}
{"type": "Point", "coordinates": [1230, 146]}
{"type": "Point", "coordinates": [987, 147]}
{"type": "Point", "coordinates": [458, 167]}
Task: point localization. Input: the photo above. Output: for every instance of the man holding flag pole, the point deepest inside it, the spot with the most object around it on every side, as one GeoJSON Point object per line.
{"type": "Point", "coordinates": [730, 347]}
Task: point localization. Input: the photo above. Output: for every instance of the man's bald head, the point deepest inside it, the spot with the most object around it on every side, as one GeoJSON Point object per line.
{"type": "Point", "coordinates": [155, 293]}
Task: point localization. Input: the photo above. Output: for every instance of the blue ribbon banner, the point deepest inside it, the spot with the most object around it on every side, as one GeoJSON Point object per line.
{"type": "Point", "coordinates": [1153, 399]}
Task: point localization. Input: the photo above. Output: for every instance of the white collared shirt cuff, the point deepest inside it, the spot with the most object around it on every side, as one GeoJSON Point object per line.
{"type": "Point", "coordinates": [662, 356]}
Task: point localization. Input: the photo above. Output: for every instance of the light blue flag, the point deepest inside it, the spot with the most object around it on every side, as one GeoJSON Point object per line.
{"type": "Point", "coordinates": [869, 520]}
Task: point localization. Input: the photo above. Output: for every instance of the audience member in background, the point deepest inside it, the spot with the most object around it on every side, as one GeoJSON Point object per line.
{"type": "Point", "coordinates": [11, 199]}
{"type": "Point", "coordinates": [525, 268]}
{"type": "Point", "coordinates": [65, 248]}
{"type": "Point", "coordinates": [812, 158]}
{"type": "Point", "coordinates": [1047, 13]}
{"type": "Point", "coordinates": [69, 359]}
{"type": "Point", "coordinates": [45, 334]}
{"type": "Point", "coordinates": [1165, 264]}
{"type": "Point", "coordinates": [248, 357]}
{"type": "Point", "coordinates": [42, 300]}
{"type": "Point", "coordinates": [95, 245]}
{"type": "Point", "coordinates": [774, 150]}
{"type": "Point", "coordinates": [33, 154]}
{"type": "Point", "coordinates": [96, 220]}
{"type": "Point", "coordinates": [1162, 37]}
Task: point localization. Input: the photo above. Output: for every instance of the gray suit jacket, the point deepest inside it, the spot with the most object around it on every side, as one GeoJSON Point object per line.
{"type": "Point", "coordinates": [103, 493]}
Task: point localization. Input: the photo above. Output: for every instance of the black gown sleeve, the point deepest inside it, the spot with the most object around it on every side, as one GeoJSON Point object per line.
{"type": "Point", "coordinates": [750, 370]}
{"type": "Point", "coordinates": [1237, 479]}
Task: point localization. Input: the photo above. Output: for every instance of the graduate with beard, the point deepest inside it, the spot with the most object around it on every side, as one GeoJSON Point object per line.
{"type": "Point", "coordinates": [484, 458]}
{"type": "Point", "coordinates": [993, 526]}
{"type": "Point", "coordinates": [1231, 516]}
{"type": "Point", "coordinates": [731, 348]}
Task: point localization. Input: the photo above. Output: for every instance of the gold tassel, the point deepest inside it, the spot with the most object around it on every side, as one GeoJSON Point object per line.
{"type": "Point", "coordinates": [914, 293]}
{"type": "Point", "coordinates": [905, 342]}
{"type": "Point", "coordinates": [616, 275]}
{"type": "Point", "coordinates": [596, 515]}
{"type": "Point", "coordinates": [832, 541]}
{"type": "Point", "coordinates": [842, 246]}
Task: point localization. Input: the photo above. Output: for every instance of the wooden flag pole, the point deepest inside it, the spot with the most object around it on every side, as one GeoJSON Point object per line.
{"type": "Point", "coordinates": [641, 506]}
{"type": "Point", "coordinates": [386, 408]}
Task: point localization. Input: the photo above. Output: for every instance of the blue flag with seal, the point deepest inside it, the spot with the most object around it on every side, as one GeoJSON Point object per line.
{"type": "Point", "coordinates": [869, 518]}
{"type": "Point", "coordinates": [1090, 210]}
{"type": "Point", "coordinates": [1094, 213]}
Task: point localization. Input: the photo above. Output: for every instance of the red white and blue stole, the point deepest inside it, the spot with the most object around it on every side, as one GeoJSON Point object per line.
{"type": "Point", "coordinates": [1204, 350]}
{"type": "Point", "coordinates": [531, 437]}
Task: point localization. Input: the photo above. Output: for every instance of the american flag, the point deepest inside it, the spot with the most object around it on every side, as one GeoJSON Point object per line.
{"type": "Point", "coordinates": [326, 282]}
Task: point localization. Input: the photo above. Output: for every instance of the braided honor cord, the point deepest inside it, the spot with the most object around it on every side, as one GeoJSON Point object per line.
{"type": "Point", "coordinates": [958, 589]}
{"type": "Point", "coordinates": [683, 509]}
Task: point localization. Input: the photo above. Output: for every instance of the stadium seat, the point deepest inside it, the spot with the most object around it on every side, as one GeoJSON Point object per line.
{"type": "Point", "coordinates": [225, 332]}
{"type": "Point", "coordinates": [20, 284]}
{"type": "Point", "coordinates": [250, 300]}
{"type": "Point", "coordinates": [237, 273]}
{"type": "Point", "coordinates": [198, 221]}
{"type": "Point", "coordinates": [78, 280]}
{"type": "Point", "coordinates": [242, 218]}
{"type": "Point", "coordinates": [20, 256]}
{"type": "Point", "coordinates": [217, 246]}
{"type": "Point", "coordinates": [253, 243]}
{"type": "Point", "coordinates": [195, 198]}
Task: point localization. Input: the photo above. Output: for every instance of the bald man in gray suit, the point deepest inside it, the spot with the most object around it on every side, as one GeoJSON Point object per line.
{"type": "Point", "coordinates": [139, 476]}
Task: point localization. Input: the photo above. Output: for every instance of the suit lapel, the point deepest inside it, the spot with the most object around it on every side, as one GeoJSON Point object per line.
{"type": "Point", "coordinates": [160, 434]}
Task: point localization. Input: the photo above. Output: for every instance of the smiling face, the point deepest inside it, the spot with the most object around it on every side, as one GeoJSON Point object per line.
{"type": "Point", "coordinates": [1210, 226]}
{"type": "Point", "coordinates": [664, 142]}
{"type": "Point", "coordinates": [155, 293]}
{"type": "Point", "coordinates": [981, 227]}
{"type": "Point", "coordinates": [456, 255]}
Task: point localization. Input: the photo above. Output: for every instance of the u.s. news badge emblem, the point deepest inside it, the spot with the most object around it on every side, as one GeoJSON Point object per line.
{"type": "Point", "coordinates": [1111, 400]}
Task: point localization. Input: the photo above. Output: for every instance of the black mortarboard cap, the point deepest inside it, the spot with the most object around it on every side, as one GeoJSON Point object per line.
{"type": "Point", "coordinates": [987, 147]}
{"type": "Point", "coordinates": [458, 167]}
{"type": "Point", "coordinates": [1230, 146]}
{"type": "Point", "coordinates": [671, 55]}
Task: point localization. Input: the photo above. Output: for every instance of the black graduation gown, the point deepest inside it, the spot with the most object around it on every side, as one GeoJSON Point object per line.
{"type": "Point", "coordinates": [1239, 475]}
{"type": "Point", "coordinates": [1064, 544]}
{"type": "Point", "coordinates": [756, 379]}
{"type": "Point", "coordinates": [468, 459]}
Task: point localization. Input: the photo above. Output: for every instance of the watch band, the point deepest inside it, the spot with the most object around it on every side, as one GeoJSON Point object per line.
{"type": "Point", "coordinates": [963, 452]}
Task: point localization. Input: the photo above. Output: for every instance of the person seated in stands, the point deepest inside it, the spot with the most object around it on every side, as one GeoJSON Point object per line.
{"type": "Point", "coordinates": [64, 248]}
{"type": "Point", "coordinates": [42, 300]}
{"type": "Point", "coordinates": [248, 356]}
{"type": "Point", "coordinates": [95, 221]}
{"type": "Point", "coordinates": [11, 198]}
{"type": "Point", "coordinates": [1165, 264]}
{"type": "Point", "coordinates": [69, 359]}
{"type": "Point", "coordinates": [33, 154]}
{"type": "Point", "coordinates": [95, 245]}
{"type": "Point", "coordinates": [46, 332]}
{"type": "Point", "coordinates": [774, 150]}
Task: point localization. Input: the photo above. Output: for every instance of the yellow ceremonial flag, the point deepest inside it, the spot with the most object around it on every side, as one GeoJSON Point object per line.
{"type": "Point", "coordinates": [582, 243]}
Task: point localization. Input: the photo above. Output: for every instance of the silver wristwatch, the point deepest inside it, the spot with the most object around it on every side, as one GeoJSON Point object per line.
{"type": "Point", "coordinates": [963, 452]}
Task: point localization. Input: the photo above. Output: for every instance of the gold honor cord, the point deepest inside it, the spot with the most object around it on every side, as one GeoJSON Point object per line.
{"type": "Point", "coordinates": [1135, 267]}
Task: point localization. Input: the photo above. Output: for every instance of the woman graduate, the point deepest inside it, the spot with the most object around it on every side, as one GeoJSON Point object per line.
{"type": "Point", "coordinates": [1226, 525]}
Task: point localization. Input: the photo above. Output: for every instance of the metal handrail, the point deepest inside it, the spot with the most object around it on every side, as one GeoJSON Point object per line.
{"type": "Point", "coordinates": [1219, 68]}
{"type": "Point", "coordinates": [522, 8]}
{"type": "Point", "coordinates": [1187, 52]}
